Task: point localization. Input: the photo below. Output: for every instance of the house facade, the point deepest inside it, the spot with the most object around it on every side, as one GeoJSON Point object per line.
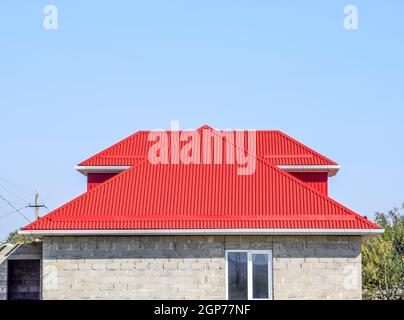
{"type": "Point", "coordinates": [164, 217]}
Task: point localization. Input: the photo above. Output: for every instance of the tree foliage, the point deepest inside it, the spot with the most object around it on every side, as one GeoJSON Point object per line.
{"type": "Point", "coordinates": [383, 259]}
{"type": "Point", "coordinates": [16, 238]}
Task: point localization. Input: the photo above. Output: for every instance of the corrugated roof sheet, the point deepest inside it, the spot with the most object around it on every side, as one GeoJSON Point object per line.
{"type": "Point", "coordinates": [199, 196]}
{"type": "Point", "coordinates": [273, 145]}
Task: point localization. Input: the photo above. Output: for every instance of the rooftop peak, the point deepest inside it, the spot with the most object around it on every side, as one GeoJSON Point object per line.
{"type": "Point", "coordinates": [205, 127]}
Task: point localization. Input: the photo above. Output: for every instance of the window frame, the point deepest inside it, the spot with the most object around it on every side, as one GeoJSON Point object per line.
{"type": "Point", "coordinates": [250, 271]}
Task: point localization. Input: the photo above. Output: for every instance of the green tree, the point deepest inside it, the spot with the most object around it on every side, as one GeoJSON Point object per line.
{"type": "Point", "coordinates": [383, 259]}
{"type": "Point", "coordinates": [16, 238]}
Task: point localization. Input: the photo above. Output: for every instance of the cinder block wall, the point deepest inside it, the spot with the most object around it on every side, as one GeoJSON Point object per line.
{"type": "Point", "coordinates": [3, 280]}
{"type": "Point", "coordinates": [193, 267]}
{"type": "Point", "coordinates": [27, 251]}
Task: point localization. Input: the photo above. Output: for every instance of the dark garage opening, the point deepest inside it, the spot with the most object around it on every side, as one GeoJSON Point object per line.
{"type": "Point", "coordinates": [23, 280]}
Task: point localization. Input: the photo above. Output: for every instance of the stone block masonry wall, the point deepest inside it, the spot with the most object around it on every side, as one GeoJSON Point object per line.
{"type": "Point", "coordinates": [317, 267]}
{"type": "Point", "coordinates": [26, 274]}
{"type": "Point", "coordinates": [193, 267]}
{"type": "Point", "coordinates": [24, 280]}
{"type": "Point", "coordinates": [3, 280]}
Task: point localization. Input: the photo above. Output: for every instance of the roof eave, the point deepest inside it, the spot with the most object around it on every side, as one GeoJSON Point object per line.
{"type": "Point", "coordinates": [100, 169]}
{"type": "Point", "coordinates": [188, 232]}
{"type": "Point", "coordinates": [332, 170]}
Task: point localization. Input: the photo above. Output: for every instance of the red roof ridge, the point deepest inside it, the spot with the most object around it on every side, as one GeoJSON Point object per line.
{"type": "Point", "coordinates": [124, 149]}
{"type": "Point", "coordinates": [205, 127]}
{"type": "Point", "coordinates": [304, 146]}
{"type": "Point", "coordinates": [87, 193]}
{"type": "Point", "coordinates": [93, 190]}
{"type": "Point", "coordinates": [317, 192]}
{"type": "Point", "coordinates": [111, 147]}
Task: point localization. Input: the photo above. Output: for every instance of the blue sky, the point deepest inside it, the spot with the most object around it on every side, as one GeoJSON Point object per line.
{"type": "Point", "coordinates": [114, 67]}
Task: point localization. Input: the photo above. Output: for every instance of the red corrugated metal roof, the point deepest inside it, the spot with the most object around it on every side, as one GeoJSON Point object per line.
{"type": "Point", "coordinates": [201, 196]}
{"type": "Point", "coordinates": [273, 145]}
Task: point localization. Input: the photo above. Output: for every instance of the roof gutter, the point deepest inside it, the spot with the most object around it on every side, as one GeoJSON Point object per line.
{"type": "Point", "coordinates": [100, 169]}
{"type": "Point", "coordinates": [331, 169]}
{"type": "Point", "coordinates": [288, 232]}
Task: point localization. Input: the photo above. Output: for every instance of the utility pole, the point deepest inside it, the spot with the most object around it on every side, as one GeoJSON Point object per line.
{"type": "Point", "coordinates": [37, 206]}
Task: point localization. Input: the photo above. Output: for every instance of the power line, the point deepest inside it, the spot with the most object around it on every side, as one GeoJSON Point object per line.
{"type": "Point", "coordinates": [10, 213]}
{"type": "Point", "coordinates": [13, 193]}
{"type": "Point", "coordinates": [11, 205]}
{"type": "Point", "coordinates": [15, 186]}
